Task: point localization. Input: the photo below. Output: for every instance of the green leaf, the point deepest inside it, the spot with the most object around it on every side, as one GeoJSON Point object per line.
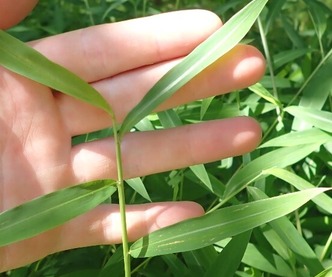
{"type": "Point", "coordinates": [230, 257]}
{"type": "Point", "coordinates": [204, 55]}
{"type": "Point", "coordinates": [292, 238]}
{"type": "Point", "coordinates": [278, 158]}
{"type": "Point", "coordinates": [323, 200]}
{"type": "Point", "coordinates": [265, 94]}
{"type": "Point", "coordinates": [317, 90]}
{"type": "Point", "coordinates": [201, 173]}
{"type": "Point", "coordinates": [24, 60]}
{"type": "Point", "coordinates": [51, 210]}
{"type": "Point", "coordinates": [137, 185]}
{"type": "Point", "coordinates": [317, 118]}
{"type": "Point", "coordinates": [309, 136]}
{"type": "Point", "coordinates": [210, 228]}
{"type": "Point", "coordinates": [258, 257]}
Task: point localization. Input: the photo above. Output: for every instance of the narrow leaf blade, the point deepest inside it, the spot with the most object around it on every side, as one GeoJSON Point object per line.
{"type": "Point", "coordinates": [203, 231]}
{"type": "Point", "coordinates": [278, 158]}
{"type": "Point", "coordinates": [51, 210]}
{"type": "Point", "coordinates": [22, 59]}
{"type": "Point", "coordinates": [204, 55]}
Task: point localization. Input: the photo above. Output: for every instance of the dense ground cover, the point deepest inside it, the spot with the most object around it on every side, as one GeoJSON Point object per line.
{"type": "Point", "coordinates": [296, 38]}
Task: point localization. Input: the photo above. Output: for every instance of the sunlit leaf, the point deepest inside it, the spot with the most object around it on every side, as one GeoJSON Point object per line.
{"type": "Point", "coordinates": [203, 231]}
{"type": "Point", "coordinates": [51, 210]}
{"type": "Point", "coordinates": [137, 185]}
{"type": "Point", "coordinates": [204, 55]}
{"type": "Point", "coordinates": [24, 60]}
{"type": "Point", "coordinates": [317, 118]}
{"type": "Point", "coordinates": [278, 158]}
{"type": "Point", "coordinates": [309, 136]}
{"type": "Point", "coordinates": [264, 93]}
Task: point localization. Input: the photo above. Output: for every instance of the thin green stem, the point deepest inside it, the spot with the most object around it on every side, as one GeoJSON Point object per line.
{"type": "Point", "coordinates": [269, 64]}
{"type": "Point", "coordinates": [122, 200]}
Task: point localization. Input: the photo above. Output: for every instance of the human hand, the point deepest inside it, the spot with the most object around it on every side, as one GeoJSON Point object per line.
{"type": "Point", "coordinates": [122, 61]}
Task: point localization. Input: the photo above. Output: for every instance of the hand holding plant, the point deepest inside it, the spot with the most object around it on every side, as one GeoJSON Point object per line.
{"type": "Point", "coordinates": [122, 61]}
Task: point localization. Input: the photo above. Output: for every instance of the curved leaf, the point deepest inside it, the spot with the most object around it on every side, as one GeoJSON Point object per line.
{"type": "Point", "coordinates": [210, 228]}
{"type": "Point", "coordinates": [51, 210]}
{"type": "Point", "coordinates": [24, 60]}
{"type": "Point", "coordinates": [204, 55]}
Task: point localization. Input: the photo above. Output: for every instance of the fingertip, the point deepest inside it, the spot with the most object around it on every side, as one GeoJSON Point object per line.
{"type": "Point", "coordinates": [250, 66]}
{"type": "Point", "coordinates": [249, 137]}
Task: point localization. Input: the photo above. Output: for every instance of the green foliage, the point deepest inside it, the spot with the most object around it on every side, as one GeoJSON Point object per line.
{"type": "Point", "coordinates": [294, 96]}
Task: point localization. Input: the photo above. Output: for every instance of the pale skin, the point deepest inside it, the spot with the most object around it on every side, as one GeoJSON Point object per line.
{"type": "Point", "coordinates": [122, 61]}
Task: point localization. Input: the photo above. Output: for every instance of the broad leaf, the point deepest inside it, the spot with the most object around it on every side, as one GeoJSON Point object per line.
{"type": "Point", "coordinates": [51, 210]}
{"type": "Point", "coordinates": [204, 55]}
{"type": "Point", "coordinates": [210, 228]}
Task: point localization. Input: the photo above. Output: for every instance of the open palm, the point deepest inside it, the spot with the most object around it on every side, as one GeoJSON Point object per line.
{"type": "Point", "coordinates": [122, 61]}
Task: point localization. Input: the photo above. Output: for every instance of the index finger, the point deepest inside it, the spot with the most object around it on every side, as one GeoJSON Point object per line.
{"type": "Point", "coordinates": [105, 50]}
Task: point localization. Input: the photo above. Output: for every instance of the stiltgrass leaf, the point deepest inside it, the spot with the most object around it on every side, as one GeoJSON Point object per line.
{"type": "Point", "coordinates": [210, 228]}
{"type": "Point", "coordinates": [309, 136]}
{"type": "Point", "coordinates": [323, 200]}
{"type": "Point", "coordinates": [292, 238]}
{"type": "Point", "coordinates": [24, 60]}
{"type": "Point", "coordinates": [278, 158]}
{"type": "Point", "coordinates": [204, 55]}
{"type": "Point", "coordinates": [319, 119]}
{"type": "Point", "coordinates": [230, 257]}
{"type": "Point", "coordinates": [52, 210]}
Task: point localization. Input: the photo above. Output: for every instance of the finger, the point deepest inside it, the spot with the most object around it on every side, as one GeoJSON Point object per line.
{"type": "Point", "coordinates": [13, 11]}
{"type": "Point", "coordinates": [146, 153]}
{"type": "Point", "coordinates": [99, 226]}
{"type": "Point", "coordinates": [241, 67]}
{"type": "Point", "coordinates": [101, 51]}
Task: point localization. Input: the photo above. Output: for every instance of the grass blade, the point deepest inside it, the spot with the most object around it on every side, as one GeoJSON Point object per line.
{"type": "Point", "coordinates": [278, 158]}
{"type": "Point", "coordinates": [308, 136]}
{"type": "Point", "coordinates": [292, 238]}
{"type": "Point", "coordinates": [203, 231]}
{"type": "Point", "coordinates": [22, 59]}
{"type": "Point", "coordinates": [230, 257]}
{"type": "Point", "coordinates": [51, 210]}
{"type": "Point", "coordinates": [320, 119]}
{"type": "Point", "coordinates": [204, 55]}
{"type": "Point", "coordinates": [323, 200]}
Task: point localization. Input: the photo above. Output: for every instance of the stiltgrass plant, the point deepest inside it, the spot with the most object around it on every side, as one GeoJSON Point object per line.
{"type": "Point", "coordinates": [293, 102]}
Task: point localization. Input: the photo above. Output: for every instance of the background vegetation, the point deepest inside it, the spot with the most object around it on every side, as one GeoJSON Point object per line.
{"type": "Point", "coordinates": [298, 36]}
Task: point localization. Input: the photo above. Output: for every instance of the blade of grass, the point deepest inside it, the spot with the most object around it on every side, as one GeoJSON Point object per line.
{"type": "Point", "coordinates": [320, 119]}
{"type": "Point", "coordinates": [323, 200]}
{"type": "Point", "coordinates": [22, 59]}
{"type": "Point", "coordinates": [292, 238]}
{"type": "Point", "coordinates": [204, 55]}
{"type": "Point", "coordinates": [203, 231]}
{"type": "Point", "coordinates": [230, 257]}
{"type": "Point", "coordinates": [309, 136]}
{"type": "Point", "coordinates": [51, 210]}
{"type": "Point", "coordinates": [278, 158]}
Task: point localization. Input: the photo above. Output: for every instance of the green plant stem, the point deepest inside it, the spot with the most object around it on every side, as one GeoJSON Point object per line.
{"type": "Point", "coordinates": [269, 64]}
{"type": "Point", "coordinates": [122, 200]}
